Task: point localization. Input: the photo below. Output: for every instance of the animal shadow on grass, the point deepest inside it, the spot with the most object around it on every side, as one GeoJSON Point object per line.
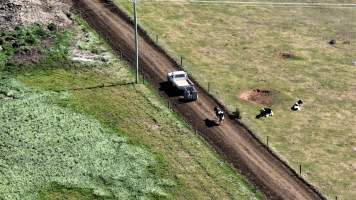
{"type": "Point", "coordinates": [210, 123]}
{"type": "Point", "coordinates": [259, 116]}
{"type": "Point", "coordinates": [167, 88]}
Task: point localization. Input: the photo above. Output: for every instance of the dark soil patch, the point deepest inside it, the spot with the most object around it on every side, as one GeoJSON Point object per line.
{"type": "Point", "coordinates": [286, 55]}
{"type": "Point", "coordinates": [262, 97]}
{"type": "Point", "coordinates": [27, 56]}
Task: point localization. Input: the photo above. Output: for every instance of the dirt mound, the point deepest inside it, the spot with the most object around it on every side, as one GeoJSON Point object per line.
{"type": "Point", "coordinates": [262, 97]}
{"type": "Point", "coordinates": [26, 12]}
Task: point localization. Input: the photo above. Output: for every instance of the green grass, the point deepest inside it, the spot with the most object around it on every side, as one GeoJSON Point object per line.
{"type": "Point", "coordinates": [44, 145]}
{"type": "Point", "coordinates": [141, 117]}
{"type": "Point", "coordinates": [51, 48]}
{"type": "Point", "coordinates": [22, 38]}
{"type": "Point", "coordinates": [236, 48]}
{"type": "Point", "coordinates": [118, 142]}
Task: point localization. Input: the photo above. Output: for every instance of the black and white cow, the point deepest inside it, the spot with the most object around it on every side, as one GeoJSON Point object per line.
{"type": "Point", "coordinates": [219, 113]}
{"type": "Point", "coordinates": [265, 112]}
{"type": "Point", "coordinates": [297, 106]}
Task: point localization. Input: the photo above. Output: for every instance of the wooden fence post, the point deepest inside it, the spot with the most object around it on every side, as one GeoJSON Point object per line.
{"type": "Point", "coordinates": [300, 169]}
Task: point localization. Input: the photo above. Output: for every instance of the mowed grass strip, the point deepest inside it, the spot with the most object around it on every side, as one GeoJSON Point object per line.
{"type": "Point", "coordinates": [50, 152]}
{"type": "Point", "coordinates": [176, 162]}
{"type": "Point", "coordinates": [237, 48]}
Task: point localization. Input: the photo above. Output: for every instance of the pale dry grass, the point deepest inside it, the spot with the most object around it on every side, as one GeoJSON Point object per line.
{"type": "Point", "coordinates": [236, 49]}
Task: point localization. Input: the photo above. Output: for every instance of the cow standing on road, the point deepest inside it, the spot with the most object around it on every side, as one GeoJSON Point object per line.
{"type": "Point", "coordinates": [219, 113]}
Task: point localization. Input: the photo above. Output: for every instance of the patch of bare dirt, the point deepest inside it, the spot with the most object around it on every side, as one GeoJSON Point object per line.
{"type": "Point", "coordinates": [30, 55]}
{"type": "Point", "coordinates": [27, 56]}
{"type": "Point", "coordinates": [262, 97]}
{"type": "Point", "coordinates": [88, 57]}
{"type": "Point", "coordinates": [286, 55]}
{"type": "Point", "coordinates": [26, 12]}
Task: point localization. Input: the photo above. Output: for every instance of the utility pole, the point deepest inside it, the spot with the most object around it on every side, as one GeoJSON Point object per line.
{"type": "Point", "coordinates": [136, 38]}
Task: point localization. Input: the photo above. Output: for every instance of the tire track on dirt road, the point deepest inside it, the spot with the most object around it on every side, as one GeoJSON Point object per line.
{"type": "Point", "coordinates": [233, 141]}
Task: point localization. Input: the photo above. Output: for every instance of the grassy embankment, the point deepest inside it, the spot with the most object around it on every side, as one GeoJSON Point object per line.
{"type": "Point", "coordinates": [117, 142]}
{"type": "Point", "coordinates": [237, 48]}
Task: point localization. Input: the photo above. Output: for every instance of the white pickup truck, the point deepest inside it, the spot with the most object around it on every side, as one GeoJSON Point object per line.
{"type": "Point", "coordinates": [180, 80]}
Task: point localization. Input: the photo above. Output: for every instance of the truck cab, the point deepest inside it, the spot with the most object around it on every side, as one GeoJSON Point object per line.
{"type": "Point", "coordinates": [180, 80]}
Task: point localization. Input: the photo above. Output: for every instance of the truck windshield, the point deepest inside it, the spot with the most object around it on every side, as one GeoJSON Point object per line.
{"type": "Point", "coordinates": [180, 76]}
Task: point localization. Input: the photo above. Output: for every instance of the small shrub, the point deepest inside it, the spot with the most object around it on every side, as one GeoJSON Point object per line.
{"type": "Point", "coordinates": [30, 40]}
{"type": "Point", "coordinates": [38, 31]}
{"type": "Point", "coordinates": [14, 35]}
{"type": "Point", "coordinates": [8, 53]}
{"type": "Point", "coordinates": [15, 45]}
{"type": "Point", "coordinates": [9, 64]}
{"type": "Point", "coordinates": [69, 15]}
{"type": "Point", "coordinates": [237, 114]}
{"type": "Point", "coordinates": [9, 38]}
{"type": "Point", "coordinates": [52, 27]}
{"type": "Point", "coordinates": [26, 49]}
{"type": "Point", "coordinates": [94, 51]}
{"type": "Point", "coordinates": [332, 42]}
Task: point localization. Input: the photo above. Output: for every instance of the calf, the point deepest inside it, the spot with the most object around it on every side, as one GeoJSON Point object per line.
{"type": "Point", "coordinates": [297, 106]}
{"type": "Point", "coordinates": [265, 112]}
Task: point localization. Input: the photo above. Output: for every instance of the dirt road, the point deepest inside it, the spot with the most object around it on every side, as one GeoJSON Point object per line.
{"type": "Point", "coordinates": [233, 141]}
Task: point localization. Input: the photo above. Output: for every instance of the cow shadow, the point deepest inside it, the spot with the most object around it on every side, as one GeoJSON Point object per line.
{"type": "Point", "coordinates": [210, 123]}
{"type": "Point", "coordinates": [259, 116]}
{"type": "Point", "coordinates": [168, 88]}
{"type": "Point", "coordinates": [182, 100]}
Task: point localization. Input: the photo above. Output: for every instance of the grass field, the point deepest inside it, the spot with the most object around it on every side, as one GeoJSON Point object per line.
{"type": "Point", "coordinates": [47, 149]}
{"type": "Point", "coordinates": [237, 48]}
{"type": "Point", "coordinates": [65, 141]}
